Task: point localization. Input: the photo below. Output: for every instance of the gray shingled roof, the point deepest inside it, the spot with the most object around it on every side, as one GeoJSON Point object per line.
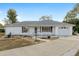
{"type": "Point", "coordinates": [38, 23]}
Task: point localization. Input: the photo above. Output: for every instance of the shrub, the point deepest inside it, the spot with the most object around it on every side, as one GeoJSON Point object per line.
{"type": "Point", "coordinates": [2, 30]}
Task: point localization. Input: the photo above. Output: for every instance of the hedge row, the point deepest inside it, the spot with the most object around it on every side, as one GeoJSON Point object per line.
{"type": "Point", "coordinates": [2, 30]}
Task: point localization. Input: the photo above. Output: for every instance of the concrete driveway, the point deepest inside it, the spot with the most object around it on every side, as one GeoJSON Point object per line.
{"type": "Point", "coordinates": [51, 48]}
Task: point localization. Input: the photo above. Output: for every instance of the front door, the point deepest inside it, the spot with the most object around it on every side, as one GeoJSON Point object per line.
{"type": "Point", "coordinates": [35, 31]}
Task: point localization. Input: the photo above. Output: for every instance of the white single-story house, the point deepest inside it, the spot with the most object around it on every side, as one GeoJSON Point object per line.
{"type": "Point", "coordinates": [42, 28]}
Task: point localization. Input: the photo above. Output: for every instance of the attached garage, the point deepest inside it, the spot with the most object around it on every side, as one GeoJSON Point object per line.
{"type": "Point", "coordinates": [64, 30]}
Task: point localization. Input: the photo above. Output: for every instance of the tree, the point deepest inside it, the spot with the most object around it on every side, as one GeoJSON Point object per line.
{"type": "Point", "coordinates": [76, 8]}
{"type": "Point", "coordinates": [1, 26]}
{"type": "Point", "coordinates": [71, 15]}
{"type": "Point", "coordinates": [46, 18]}
{"type": "Point", "coordinates": [11, 14]}
{"type": "Point", "coordinates": [72, 18]}
{"type": "Point", "coordinates": [6, 21]}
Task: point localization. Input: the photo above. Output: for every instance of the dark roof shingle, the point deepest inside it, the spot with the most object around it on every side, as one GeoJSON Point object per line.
{"type": "Point", "coordinates": [38, 23]}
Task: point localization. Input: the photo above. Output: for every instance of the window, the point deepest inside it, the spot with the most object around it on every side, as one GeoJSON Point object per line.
{"type": "Point", "coordinates": [63, 27]}
{"type": "Point", "coordinates": [24, 29]}
{"type": "Point", "coordinates": [46, 29]}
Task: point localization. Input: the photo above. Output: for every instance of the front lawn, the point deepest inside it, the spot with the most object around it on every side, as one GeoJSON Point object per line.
{"type": "Point", "coordinates": [8, 43]}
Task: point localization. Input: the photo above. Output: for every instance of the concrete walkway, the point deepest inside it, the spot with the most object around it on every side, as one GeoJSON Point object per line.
{"type": "Point", "coordinates": [51, 48]}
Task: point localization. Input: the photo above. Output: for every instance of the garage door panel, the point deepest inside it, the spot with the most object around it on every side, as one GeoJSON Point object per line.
{"type": "Point", "coordinates": [63, 31]}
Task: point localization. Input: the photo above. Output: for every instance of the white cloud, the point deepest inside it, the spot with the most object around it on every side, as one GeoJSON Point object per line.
{"type": "Point", "coordinates": [19, 18]}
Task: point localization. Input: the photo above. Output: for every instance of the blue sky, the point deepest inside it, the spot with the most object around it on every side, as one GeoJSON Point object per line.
{"type": "Point", "coordinates": [33, 11]}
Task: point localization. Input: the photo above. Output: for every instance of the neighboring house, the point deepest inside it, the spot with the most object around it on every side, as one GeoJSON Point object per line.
{"type": "Point", "coordinates": [43, 28]}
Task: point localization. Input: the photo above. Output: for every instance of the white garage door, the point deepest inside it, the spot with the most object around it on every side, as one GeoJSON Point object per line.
{"type": "Point", "coordinates": [63, 31]}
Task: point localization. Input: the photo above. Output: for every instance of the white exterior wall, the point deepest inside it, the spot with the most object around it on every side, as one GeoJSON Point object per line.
{"type": "Point", "coordinates": [61, 32]}
{"type": "Point", "coordinates": [71, 30]}
{"type": "Point", "coordinates": [56, 30]}
{"type": "Point", "coordinates": [18, 31]}
{"type": "Point", "coordinates": [13, 30]}
{"type": "Point", "coordinates": [31, 31]}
